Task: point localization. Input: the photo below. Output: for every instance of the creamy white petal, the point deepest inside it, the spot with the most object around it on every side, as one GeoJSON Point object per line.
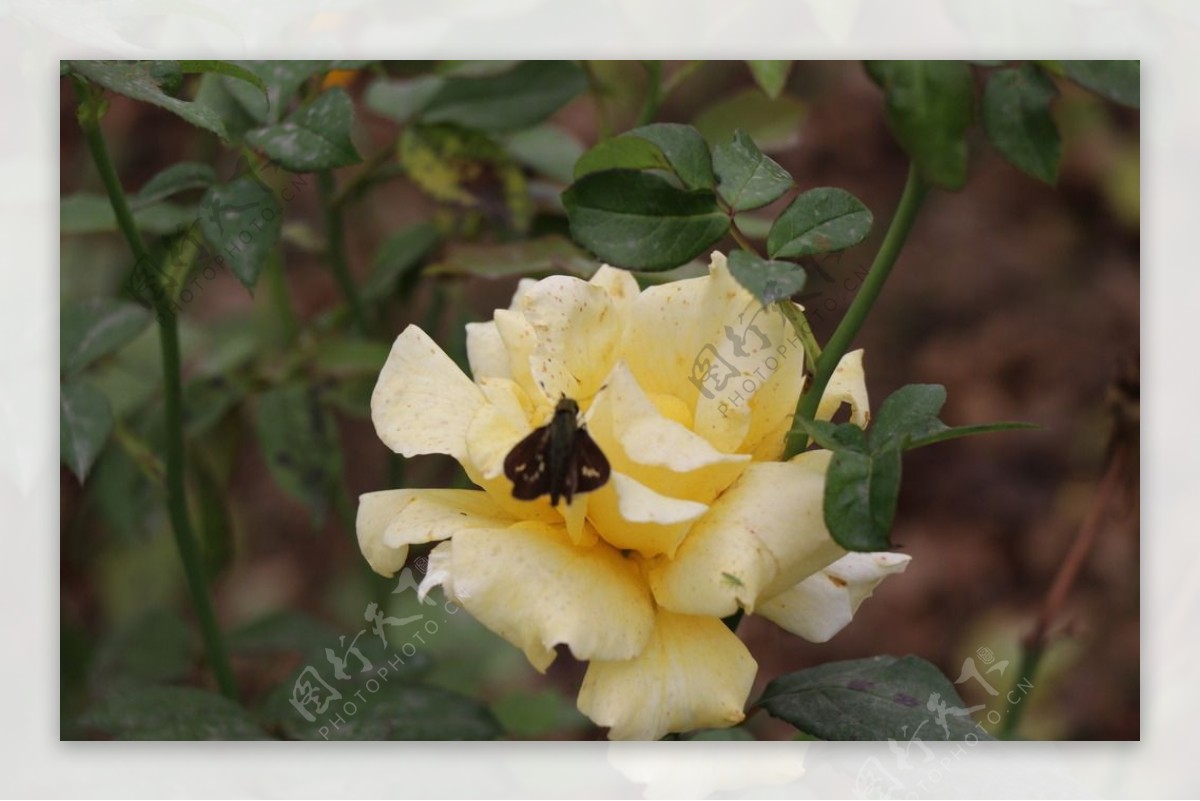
{"type": "Point", "coordinates": [694, 673]}
{"type": "Point", "coordinates": [519, 340]}
{"type": "Point", "coordinates": [630, 515]}
{"type": "Point", "coordinates": [530, 585]}
{"type": "Point", "coordinates": [621, 286]}
{"type": "Point", "coordinates": [390, 521]}
{"type": "Point", "coordinates": [486, 352]}
{"type": "Point", "coordinates": [848, 384]}
{"type": "Point", "coordinates": [497, 425]}
{"type": "Point", "coordinates": [578, 332]}
{"type": "Point", "coordinates": [764, 534]}
{"type": "Point", "coordinates": [824, 603]}
{"type": "Point", "coordinates": [422, 402]}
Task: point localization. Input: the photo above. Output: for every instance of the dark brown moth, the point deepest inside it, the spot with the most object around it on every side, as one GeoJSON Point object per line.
{"type": "Point", "coordinates": [559, 459]}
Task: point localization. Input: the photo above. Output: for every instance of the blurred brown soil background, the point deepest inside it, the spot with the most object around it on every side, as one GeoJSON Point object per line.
{"type": "Point", "coordinates": [1022, 299]}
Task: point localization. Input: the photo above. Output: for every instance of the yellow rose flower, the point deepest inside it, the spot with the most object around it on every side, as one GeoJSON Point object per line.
{"type": "Point", "coordinates": [688, 388]}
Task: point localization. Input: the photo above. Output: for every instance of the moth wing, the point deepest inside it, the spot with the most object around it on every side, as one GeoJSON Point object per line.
{"type": "Point", "coordinates": [526, 465]}
{"type": "Point", "coordinates": [591, 469]}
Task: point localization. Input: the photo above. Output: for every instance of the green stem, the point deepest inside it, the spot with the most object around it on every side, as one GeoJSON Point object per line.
{"type": "Point", "coordinates": [280, 298]}
{"type": "Point", "coordinates": [839, 343]}
{"type": "Point", "coordinates": [335, 236]}
{"type": "Point", "coordinates": [812, 349]}
{"type": "Point", "coordinates": [1027, 668]}
{"type": "Point", "coordinates": [654, 92]}
{"type": "Point", "coordinates": [89, 112]}
{"type": "Point", "coordinates": [679, 76]}
{"type": "Point", "coordinates": [356, 185]}
{"type": "Point", "coordinates": [596, 89]}
{"type": "Point", "coordinates": [739, 237]}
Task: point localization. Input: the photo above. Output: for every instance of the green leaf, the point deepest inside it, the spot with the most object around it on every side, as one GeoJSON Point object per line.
{"type": "Point", "coordinates": [466, 168]}
{"type": "Point", "coordinates": [397, 257]}
{"type": "Point", "coordinates": [774, 125]}
{"type": "Point", "coordinates": [215, 94]}
{"type": "Point", "coordinates": [911, 411]}
{"type": "Point", "coordinates": [224, 68]}
{"type": "Point", "coordinates": [315, 137]}
{"type": "Point", "coordinates": [1016, 116]}
{"type": "Point", "coordinates": [1119, 81]}
{"type": "Point", "coordinates": [547, 255]}
{"type": "Point", "coordinates": [771, 76]}
{"type": "Point", "coordinates": [622, 152]}
{"type": "Point", "coordinates": [242, 220]}
{"type": "Point", "coordinates": [154, 648]}
{"type": "Point", "coordinates": [401, 101]}
{"type": "Point", "coordinates": [207, 399]}
{"type": "Point", "coordinates": [344, 356]}
{"type": "Point", "coordinates": [661, 146]}
{"type": "Point", "coordinates": [85, 421]}
{"type": "Point", "coordinates": [137, 80]}
{"type": "Point", "coordinates": [819, 221]}
{"type": "Point", "coordinates": [684, 149]}
{"type": "Point", "coordinates": [174, 179]}
{"type": "Point", "coordinates": [388, 702]}
{"type": "Point", "coordinates": [518, 98]}
{"type": "Point", "coordinates": [285, 630]}
{"type": "Point", "coordinates": [95, 328]}
{"type": "Point", "coordinates": [85, 213]}
{"type": "Point", "coordinates": [171, 713]}
{"type": "Point", "coordinates": [909, 418]}
{"type": "Point", "coordinates": [878, 698]}
{"type": "Point", "coordinates": [836, 436]}
{"type": "Point", "coordinates": [768, 281]}
{"type": "Point", "coordinates": [547, 149]}
{"type": "Point", "coordinates": [747, 179]}
{"type": "Point", "coordinates": [956, 432]}
{"type": "Point", "coordinates": [537, 714]}
{"type": "Point", "coordinates": [640, 221]}
{"type": "Point", "coordinates": [283, 80]}
{"type": "Point", "coordinates": [300, 444]}
{"type": "Point", "coordinates": [929, 108]}
{"type": "Point", "coordinates": [861, 490]}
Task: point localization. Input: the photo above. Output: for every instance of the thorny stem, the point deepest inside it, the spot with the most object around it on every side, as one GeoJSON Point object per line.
{"type": "Point", "coordinates": [335, 242]}
{"type": "Point", "coordinates": [1033, 646]}
{"type": "Point", "coordinates": [839, 343]}
{"type": "Point", "coordinates": [89, 113]}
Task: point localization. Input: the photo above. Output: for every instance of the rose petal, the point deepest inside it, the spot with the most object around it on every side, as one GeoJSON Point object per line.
{"type": "Point", "coordinates": [824, 603]}
{"type": "Point", "coordinates": [578, 332]}
{"type": "Point", "coordinates": [422, 402]}
{"type": "Point", "coordinates": [706, 341]}
{"type": "Point", "coordinates": [630, 515]}
{"type": "Point", "coordinates": [390, 521]}
{"type": "Point", "coordinates": [531, 586]}
{"type": "Point", "coordinates": [694, 673]}
{"type": "Point", "coordinates": [848, 384]}
{"type": "Point", "coordinates": [764, 534]}
{"type": "Point", "coordinates": [662, 453]}
{"type": "Point", "coordinates": [519, 340]}
{"type": "Point", "coordinates": [498, 425]}
{"type": "Point", "coordinates": [486, 352]}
